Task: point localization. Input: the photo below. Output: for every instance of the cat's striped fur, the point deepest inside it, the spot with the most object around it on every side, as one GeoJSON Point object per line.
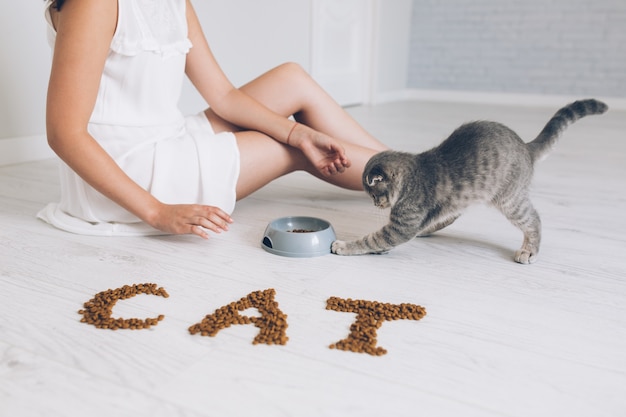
{"type": "Point", "coordinates": [480, 162]}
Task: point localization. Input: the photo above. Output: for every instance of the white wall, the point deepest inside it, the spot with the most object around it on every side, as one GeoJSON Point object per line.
{"type": "Point", "coordinates": [249, 37]}
{"type": "Point", "coordinates": [557, 47]}
{"type": "Point", "coordinates": [391, 49]}
{"type": "Point", "coordinates": [24, 68]}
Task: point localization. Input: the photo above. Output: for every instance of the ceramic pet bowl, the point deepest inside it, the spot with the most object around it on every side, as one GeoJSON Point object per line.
{"type": "Point", "coordinates": [298, 237]}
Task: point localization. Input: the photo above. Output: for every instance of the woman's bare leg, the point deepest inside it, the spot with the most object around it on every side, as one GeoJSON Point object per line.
{"type": "Point", "coordinates": [264, 159]}
{"type": "Point", "coordinates": [288, 90]}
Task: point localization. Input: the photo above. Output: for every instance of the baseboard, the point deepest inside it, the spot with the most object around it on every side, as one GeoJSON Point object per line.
{"type": "Point", "coordinates": [516, 99]}
{"type": "Point", "coordinates": [24, 149]}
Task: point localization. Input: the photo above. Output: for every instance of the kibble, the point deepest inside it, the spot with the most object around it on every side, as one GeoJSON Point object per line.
{"type": "Point", "coordinates": [272, 323]}
{"type": "Point", "coordinates": [99, 309]}
{"type": "Point", "coordinates": [301, 231]}
{"type": "Point", "coordinates": [370, 316]}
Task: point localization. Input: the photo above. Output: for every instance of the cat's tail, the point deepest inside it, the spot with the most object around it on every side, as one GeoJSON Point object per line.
{"type": "Point", "coordinates": [542, 145]}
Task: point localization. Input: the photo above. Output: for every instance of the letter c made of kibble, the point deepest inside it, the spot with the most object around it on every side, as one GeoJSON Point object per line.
{"type": "Point", "coordinates": [99, 309]}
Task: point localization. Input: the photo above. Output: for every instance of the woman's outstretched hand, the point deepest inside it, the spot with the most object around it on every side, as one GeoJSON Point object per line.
{"type": "Point", "coordinates": [190, 219]}
{"type": "Point", "coordinates": [326, 154]}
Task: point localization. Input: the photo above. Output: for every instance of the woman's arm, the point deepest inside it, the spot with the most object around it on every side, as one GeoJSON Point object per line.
{"type": "Point", "coordinates": [238, 108]}
{"type": "Point", "coordinates": [225, 100]}
{"type": "Point", "coordinates": [84, 33]}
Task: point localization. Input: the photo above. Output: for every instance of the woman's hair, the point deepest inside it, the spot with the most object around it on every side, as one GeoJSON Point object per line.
{"type": "Point", "coordinates": [58, 4]}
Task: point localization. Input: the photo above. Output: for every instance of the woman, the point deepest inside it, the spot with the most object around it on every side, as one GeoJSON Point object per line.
{"type": "Point", "coordinates": [134, 165]}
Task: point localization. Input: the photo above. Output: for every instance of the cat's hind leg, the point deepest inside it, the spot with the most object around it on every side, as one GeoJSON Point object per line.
{"type": "Point", "coordinates": [523, 215]}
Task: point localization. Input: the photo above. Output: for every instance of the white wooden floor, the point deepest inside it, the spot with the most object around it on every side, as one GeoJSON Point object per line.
{"type": "Point", "coordinates": [499, 339]}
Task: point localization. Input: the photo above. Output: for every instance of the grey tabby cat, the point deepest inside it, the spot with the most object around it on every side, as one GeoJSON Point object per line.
{"type": "Point", "coordinates": [480, 162]}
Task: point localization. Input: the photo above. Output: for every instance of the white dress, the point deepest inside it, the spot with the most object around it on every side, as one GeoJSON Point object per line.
{"type": "Point", "coordinates": [136, 120]}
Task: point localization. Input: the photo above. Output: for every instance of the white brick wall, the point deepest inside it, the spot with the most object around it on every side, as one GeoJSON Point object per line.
{"type": "Point", "coordinates": [558, 47]}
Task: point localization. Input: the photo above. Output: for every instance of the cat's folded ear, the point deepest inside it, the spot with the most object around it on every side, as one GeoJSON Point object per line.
{"type": "Point", "coordinates": [374, 176]}
{"type": "Point", "coordinates": [371, 181]}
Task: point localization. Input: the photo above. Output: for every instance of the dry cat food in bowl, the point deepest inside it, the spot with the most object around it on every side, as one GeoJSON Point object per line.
{"type": "Point", "coordinates": [298, 237]}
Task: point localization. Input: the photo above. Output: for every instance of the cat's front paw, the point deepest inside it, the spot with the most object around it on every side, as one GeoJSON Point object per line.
{"type": "Point", "coordinates": [525, 257]}
{"type": "Point", "coordinates": [339, 247]}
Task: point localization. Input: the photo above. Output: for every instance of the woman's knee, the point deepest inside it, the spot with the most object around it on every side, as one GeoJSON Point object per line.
{"type": "Point", "coordinates": [292, 69]}
{"type": "Point", "coordinates": [294, 74]}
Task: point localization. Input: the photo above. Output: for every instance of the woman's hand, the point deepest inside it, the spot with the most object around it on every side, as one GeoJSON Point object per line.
{"type": "Point", "coordinates": [326, 154]}
{"type": "Point", "coordinates": [190, 218]}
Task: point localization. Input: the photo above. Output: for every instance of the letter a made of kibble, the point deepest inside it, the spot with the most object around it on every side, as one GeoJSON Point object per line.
{"type": "Point", "coordinates": [272, 323]}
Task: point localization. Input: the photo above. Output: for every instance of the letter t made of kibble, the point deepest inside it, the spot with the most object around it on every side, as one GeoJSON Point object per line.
{"type": "Point", "coordinates": [370, 316]}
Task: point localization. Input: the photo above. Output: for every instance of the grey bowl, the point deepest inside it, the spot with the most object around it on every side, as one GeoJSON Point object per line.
{"type": "Point", "coordinates": [298, 237]}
